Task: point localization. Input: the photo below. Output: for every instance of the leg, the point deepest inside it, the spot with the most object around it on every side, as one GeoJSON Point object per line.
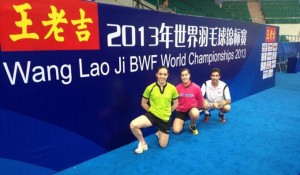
{"type": "Point", "coordinates": [136, 125]}
{"type": "Point", "coordinates": [225, 109]}
{"type": "Point", "coordinates": [206, 108]}
{"type": "Point", "coordinates": [163, 138]}
{"type": "Point", "coordinates": [177, 125]}
{"type": "Point", "coordinates": [194, 115]}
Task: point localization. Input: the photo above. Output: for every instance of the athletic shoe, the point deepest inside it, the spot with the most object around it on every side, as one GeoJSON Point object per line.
{"type": "Point", "coordinates": [206, 117]}
{"type": "Point", "coordinates": [222, 118]}
{"type": "Point", "coordinates": [141, 148]}
{"type": "Point", "coordinates": [194, 129]}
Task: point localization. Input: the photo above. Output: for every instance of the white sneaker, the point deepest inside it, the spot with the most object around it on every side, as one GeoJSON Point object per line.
{"type": "Point", "coordinates": [141, 148]}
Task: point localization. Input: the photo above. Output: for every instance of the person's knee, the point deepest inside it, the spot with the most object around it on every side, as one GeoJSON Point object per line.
{"type": "Point", "coordinates": [195, 116]}
{"type": "Point", "coordinates": [163, 144]}
{"type": "Point", "coordinates": [205, 106]}
{"type": "Point", "coordinates": [163, 140]}
{"type": "Point", "coordinates": [227, 108]}
{"type": "Point", "coordinates": [177, 125]}
{"type": "Point", "coordinates": [177, 130]}
{"type": "Point", "coordinates": [133, 125]}
{"type": "Point", "coordinates": [194, 113]}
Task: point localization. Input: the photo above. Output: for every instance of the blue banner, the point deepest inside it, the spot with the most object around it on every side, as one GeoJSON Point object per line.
{"type": "Point", "coordinates": [65, 104]}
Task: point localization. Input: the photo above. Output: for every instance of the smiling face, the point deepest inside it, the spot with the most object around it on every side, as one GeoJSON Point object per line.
{"type": "Point", "coordinates": [162, 75]}
{"type": "Point", "coordinates": [185, 76]}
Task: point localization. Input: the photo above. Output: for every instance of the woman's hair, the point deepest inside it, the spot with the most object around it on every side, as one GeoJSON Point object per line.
{"type": "Point", "coordinates": [185, 69]}
{"type": "Point", "coordinates": [162, 67]}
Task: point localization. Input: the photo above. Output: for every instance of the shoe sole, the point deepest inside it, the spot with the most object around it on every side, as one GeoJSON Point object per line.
{"type": "Point", "coordinates": [144, 149]}
{"type": "Point", "coordinates": [140, 152]}
{"type": "Point", "coordinates": [194, 133]}
{"type": "Point", "coordinates": [223, 121]}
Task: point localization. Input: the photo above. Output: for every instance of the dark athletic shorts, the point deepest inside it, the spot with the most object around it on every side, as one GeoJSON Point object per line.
{"type": "Point", "coordinates": [161, 125]}
{"type": "Point", "coordinates": [182, 115]}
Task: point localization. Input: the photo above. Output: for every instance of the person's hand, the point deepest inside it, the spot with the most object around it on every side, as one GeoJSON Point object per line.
{"type": "Point", "coordinates": [199, 109]}
{"type": "Point", "coordinates": [207, 106]}
{"type": "Point", "coordinates": [222, 104]}
{"type": "Point", "coordinates": [216, 105]}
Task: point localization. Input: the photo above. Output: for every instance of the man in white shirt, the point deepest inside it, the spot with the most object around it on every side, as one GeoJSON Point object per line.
{"type": "Point", "coordinates": [213, 89]}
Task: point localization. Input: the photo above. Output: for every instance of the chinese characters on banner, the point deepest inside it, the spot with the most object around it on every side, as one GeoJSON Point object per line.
{"type": "Point", "coordinates": [177, 36]}
{"type": "Point", "coordinates": [56, 26]}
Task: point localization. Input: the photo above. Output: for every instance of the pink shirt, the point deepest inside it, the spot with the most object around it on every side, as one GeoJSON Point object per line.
{"type": "Point", "coordinates": [189, 97]}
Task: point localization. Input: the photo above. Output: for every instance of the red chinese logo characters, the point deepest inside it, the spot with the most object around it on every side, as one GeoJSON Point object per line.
{"type": "Point", "coordinates": [270, 34]}
{"type": "Point", "coordinates": [31, 26]}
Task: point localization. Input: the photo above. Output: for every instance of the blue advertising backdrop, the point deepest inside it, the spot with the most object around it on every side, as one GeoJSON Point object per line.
{"type": "Point", "coordinates": [82, 107]}
{"type": "Point", "coordinates": [286, 49]}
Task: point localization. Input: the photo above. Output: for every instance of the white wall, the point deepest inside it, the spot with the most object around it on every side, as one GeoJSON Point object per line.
{"type": "Point", "coordinates": [289, 29]}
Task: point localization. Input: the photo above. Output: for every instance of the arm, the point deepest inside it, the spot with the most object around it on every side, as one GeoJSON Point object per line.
{"type": "Point", "coordinates": [203, 89]}
{"type": "Point", "coordinates": [200, 99]}
{"type": "Point", "coordinates": [144, 104]}
{"type": "Point", "coordinates": [225, 102]}
{"type": "Point", "coordinates": [171, 11]}
{"type": "Point", "coordinates": [227, 97]}
{"type": "Point", "coordinates": [175, 104]}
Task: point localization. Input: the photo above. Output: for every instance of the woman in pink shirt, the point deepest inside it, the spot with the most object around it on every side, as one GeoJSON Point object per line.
{"type": "Point", "coordinates": [190, 103]}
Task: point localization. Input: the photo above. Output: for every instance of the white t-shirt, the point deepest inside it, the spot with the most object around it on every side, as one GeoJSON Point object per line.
{"type": "Point", "coordinates": [213, 92]}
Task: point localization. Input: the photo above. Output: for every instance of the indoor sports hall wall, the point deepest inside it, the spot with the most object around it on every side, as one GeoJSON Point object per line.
{"type": "Point", "coordinates": [72, 76]}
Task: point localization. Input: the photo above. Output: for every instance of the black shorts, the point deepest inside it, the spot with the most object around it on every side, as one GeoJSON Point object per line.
{"type": "Point", "coordinates": [161, 125]}
{"type": "Point", "coordinates": [182, 115]}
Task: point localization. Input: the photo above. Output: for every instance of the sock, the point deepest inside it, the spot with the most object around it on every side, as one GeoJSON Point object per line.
{"type": "Point", "coordinates": [206, 112]}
